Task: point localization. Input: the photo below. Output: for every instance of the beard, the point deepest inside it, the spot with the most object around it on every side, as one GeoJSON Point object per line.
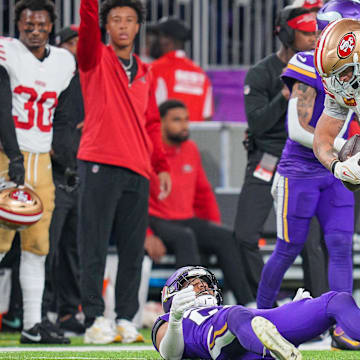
{"type": "Point", "coordinates": [178, 138]}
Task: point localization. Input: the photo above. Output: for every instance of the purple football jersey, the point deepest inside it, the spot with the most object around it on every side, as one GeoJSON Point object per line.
{"type": "Point", "coordinates": [297, 160]}
{"type": "Point", "coordinates": [205, 333]}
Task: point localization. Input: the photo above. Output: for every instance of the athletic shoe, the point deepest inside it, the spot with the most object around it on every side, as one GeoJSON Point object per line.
{"type": "Point", "coordinates": [128, 332]}
{"type": "Point", "coordinates": [102, 331]}
{"type": "Point", "coordinates": [40, 333]}
{"type": "Point", "coordinates": [278, 346]}
{"type": "Point", "coordinates": [340, 341]}
{"type": "Point", "coordinates": [71, 325]}
{"type": "Point", "coordinates": [10, 323]}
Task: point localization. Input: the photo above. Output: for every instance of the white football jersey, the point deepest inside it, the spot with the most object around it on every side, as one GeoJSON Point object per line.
{"type": "Point", "coordinates": [36, 86]}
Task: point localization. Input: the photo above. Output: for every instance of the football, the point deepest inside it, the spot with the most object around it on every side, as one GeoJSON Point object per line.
{"type": "Point", "coordinates": [350, 148]}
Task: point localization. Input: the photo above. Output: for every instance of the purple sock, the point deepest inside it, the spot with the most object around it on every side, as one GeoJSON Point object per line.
{"type": "Point", "coordinates": [273, 272]}
{"type": "Point", "coordinates": [343, 309]}
{"type": "Point", "coordinates": [339, 246]}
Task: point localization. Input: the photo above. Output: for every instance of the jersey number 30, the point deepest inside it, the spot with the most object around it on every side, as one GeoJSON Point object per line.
{"type": "Point", "coordinates": [35, 104]}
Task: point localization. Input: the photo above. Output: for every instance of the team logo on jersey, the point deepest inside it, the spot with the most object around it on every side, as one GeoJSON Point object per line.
{"type": "Point", "coordinates": [346, 45]}
{"type": "Point", "coordinates": [187, 168]}
{"type": "Point", "coordinates": [349, 102]}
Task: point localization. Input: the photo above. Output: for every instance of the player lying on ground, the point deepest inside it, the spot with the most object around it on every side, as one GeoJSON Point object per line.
{"type": "Point", "coordinates": [196, 325]}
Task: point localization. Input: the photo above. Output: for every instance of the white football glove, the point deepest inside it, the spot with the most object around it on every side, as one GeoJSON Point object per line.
{"type": "Point", "coordinates": [349, 170]}
{"type": "Point", "coordinates": [183, 300]}
{"type": "Point", "coordinates": [302, 294]}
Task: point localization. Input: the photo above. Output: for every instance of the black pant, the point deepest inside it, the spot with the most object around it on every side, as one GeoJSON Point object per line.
{"type": "Point", "coordinates": [254, 205]}
{"type": "Point", "coordinates": [187, 239]}
{"type": "Point", "coordinates": [111, 199]}
{"type": "Point", "coordinates": [62, 289]}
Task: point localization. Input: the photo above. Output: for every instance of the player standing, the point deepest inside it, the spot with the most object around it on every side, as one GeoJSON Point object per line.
{"type": "Point", "coordinates": [34, 75]}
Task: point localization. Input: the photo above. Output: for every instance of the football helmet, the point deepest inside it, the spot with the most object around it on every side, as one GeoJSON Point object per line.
{"type": "Point", "coordinates": [184, 276]}
{"type": "Point", "coordinates": [20, 207]}
{"type": "Point", "coordinates": [338, 48]}
{"type": "Point", "coordinates": [337, 9]}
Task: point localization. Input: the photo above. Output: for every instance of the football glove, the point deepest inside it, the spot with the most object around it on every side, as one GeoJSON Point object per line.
{"type": "Point", "coordinates": [348, 170]}
{"type": "Point", "coordinates": [17, 170]}
{"type": "Point", "coordinates": [302, 294]}
{"type": "Point", "coordinates": [182, 301]}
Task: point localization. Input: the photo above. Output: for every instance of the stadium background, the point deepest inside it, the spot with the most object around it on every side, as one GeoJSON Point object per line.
{"type": "Point", "coordinates": [227, 37]}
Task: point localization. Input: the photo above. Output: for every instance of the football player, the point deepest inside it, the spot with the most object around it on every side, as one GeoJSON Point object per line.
{"type": "Point", "coordinates": [196, 325]}
{"type": "Point", "coordinates": [304, 188]}
{"type": "Point", "coordinates": [337, 61]}
{"type": "Point", "coordinates": [34, 75]}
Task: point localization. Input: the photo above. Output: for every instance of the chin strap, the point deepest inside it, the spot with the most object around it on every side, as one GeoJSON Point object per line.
{"type": "Point", "coordinates": [206, 300]}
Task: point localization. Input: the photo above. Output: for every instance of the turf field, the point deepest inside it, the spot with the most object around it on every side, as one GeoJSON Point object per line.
{"type": "Point", "coordinates": [10, 349]}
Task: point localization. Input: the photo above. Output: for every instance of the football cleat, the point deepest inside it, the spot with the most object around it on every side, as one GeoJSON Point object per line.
{"type": "Point", "coordinates": [340, 341]}
{"type": "Point", "coordinates": [102, 331]}
{"type": "Point", "coordinates": [41, 333]}
{"type": "Point", "coordinates": [278, 346]}
{"type": "Point", "coordinates": [128, 332]}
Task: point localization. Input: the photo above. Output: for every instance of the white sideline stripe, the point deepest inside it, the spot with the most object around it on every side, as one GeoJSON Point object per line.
{"type": "Point", "coordinates": [77, 348]}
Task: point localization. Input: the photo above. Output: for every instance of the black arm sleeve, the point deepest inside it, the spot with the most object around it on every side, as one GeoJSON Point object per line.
{"type": "Point", "coordinates": [62, 144]}
{"type": "Point", "coordinates": [262, 112]}
{"type": "Point", "coordinates": [7, 127]}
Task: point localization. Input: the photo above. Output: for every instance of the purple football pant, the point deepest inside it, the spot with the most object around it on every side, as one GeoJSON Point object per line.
{"type": "Point", "coordinates": [298, 321]}
{"type": "Point", "coordinates": [298, 200]}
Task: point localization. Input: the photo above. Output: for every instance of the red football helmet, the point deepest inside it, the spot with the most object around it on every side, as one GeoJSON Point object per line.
{"type": "Point", "coordinates": [20, 207]}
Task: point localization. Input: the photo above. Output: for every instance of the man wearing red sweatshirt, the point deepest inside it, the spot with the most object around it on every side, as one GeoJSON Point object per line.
{"type": "Point", "coordinates": [187, 222]}
{"type": "Point", "coordinates": [120, 145]}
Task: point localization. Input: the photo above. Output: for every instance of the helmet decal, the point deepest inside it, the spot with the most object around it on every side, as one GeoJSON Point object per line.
{"type": "Point", "coordinates": [346, 45]}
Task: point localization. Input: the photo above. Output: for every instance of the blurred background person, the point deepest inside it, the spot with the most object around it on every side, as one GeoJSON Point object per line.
{"type": "Point", "coordinates": [266, 99]}
{"type": "Point", "coordinates": [62, 289]}
{"type": "Point", "coordinates": [175, 75]}
{"type": "Point", "coordinates": [187, 223]}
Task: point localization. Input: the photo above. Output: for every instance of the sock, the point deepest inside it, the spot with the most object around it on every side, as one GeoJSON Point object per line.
{"type": "Point", "coordinates": [273, 272]}
{"type": "Point", "coordinates": [343, 309]}
{"type": "Point", "coordinates": [32, 278]}
{"type": "Point", "coordinates": [339, 246]}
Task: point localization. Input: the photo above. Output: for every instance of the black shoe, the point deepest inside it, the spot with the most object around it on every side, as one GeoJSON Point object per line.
{"type": "Point", "coordinates": [71, 325]}
{"type": "Point", "coordinates": [10, 323]}
{"type": "Point", "coordinates": [41, 333]}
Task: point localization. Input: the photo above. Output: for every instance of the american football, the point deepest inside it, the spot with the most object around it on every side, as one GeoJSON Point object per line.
{"type": "Point", "coordinates": [350, 148]}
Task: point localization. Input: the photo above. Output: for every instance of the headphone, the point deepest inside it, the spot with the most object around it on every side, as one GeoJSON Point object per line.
{"type": "Point", "coordinates": [286, 33]}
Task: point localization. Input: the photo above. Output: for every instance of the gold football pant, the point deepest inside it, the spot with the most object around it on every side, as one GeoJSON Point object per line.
{"type": "Point", "coordinates": [38, 175]}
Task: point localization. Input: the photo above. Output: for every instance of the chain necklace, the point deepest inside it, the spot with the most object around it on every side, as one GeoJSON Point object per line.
{"type": "Point", "coordinates": [127, 68]}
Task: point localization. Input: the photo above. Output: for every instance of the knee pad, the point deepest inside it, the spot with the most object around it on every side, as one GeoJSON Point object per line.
{"type": "Point", "coordinates": [287, 251]}
{"type": "Point", "coordinates": [339, 243]}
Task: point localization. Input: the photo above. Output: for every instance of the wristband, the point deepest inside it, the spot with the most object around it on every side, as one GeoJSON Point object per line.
{"type": "Point", "coordinates": [332, 165]}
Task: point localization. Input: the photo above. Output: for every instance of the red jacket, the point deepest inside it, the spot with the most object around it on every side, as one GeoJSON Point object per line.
{"type": "Point", "coordinates": [122, 122]}
{"type": "Point", "coordinates": [191, 194]}
{"type": "Point", "coordinates": [178, 77]}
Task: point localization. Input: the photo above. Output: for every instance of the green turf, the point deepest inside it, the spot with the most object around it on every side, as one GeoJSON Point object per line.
{"type": "Point", "coordinates": [12, 340]}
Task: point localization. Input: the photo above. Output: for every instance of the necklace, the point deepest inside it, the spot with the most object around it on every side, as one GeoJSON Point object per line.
{"type": "Point", "coordinates": [127, 68]}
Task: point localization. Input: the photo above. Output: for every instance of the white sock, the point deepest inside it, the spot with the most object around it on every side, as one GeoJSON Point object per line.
{"type": "Point", "coordinates": [32, 279]}
{"type": "Point", "coordinates": [2, 255]}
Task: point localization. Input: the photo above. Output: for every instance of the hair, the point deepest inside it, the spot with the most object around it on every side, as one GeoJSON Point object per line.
{"type": "Point", "coordinates": [35, 5]}
{"type": "Point", "coordinates": [107, 5]}
{"type": "Point", "coordinates": [170, 104]}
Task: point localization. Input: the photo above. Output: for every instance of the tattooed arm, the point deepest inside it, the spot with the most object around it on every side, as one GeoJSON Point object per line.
{"type": "Point", "coordinates": [325, 133]}
{"type": "Point", "coordinates": [300, 110]}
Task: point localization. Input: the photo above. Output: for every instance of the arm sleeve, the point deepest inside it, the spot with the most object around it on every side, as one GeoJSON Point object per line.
{"type": "Point", "coordinates": [7, 126]}
{"type": "Point", "coordinates": [172, 344]}
{"type": "Point", "coordinates": [63, 141]}
{"type": "Point", "coordinates": [89, 46]}
{"type": "Point", "coordinates": [205, 205]}
{"type": "Point", "coordinates": [259, 107]}
{"type": "Point", "coordinates": [153, 129]}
